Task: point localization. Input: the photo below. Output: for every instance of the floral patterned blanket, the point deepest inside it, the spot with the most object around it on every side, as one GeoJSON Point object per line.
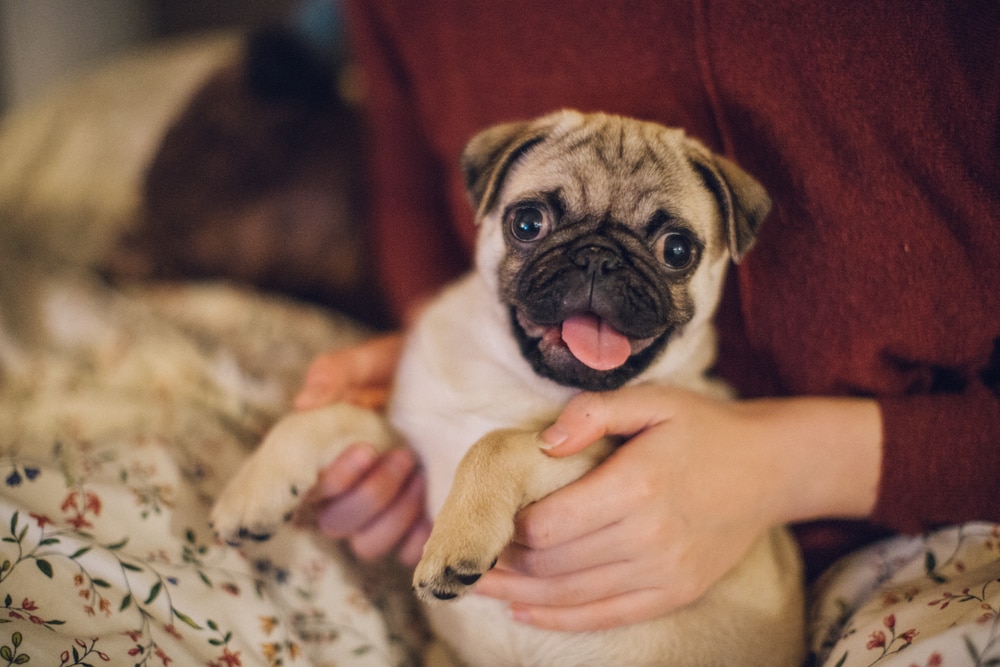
{"type": "Point", "coordinates": [122, 414]}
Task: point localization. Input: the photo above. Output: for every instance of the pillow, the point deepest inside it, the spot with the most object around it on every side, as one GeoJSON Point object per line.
{"type": "Point", "coordinates": [74, 162]}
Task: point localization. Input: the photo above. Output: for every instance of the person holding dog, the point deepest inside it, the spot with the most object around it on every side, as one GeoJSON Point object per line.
{"type": "Point", "coordinates": [863, 331]}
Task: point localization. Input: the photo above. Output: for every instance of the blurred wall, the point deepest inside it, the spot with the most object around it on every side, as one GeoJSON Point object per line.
{"type": "Point", "coordinates": [45, 41]}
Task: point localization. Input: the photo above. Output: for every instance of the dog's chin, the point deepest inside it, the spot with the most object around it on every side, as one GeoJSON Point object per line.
{"type": "Point", "coordinates": [550, 357]}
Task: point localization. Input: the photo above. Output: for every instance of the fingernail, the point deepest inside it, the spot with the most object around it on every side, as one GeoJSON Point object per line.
{"type": "Point", "coordinates": [553, 436]}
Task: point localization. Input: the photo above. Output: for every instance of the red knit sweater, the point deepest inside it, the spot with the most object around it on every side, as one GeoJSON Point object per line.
{"type": "Point", "coordinates": [876, 130]}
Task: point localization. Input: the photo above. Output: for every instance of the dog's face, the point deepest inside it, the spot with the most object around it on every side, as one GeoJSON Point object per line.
{"type": "Point", "coordinates": [604, 237]}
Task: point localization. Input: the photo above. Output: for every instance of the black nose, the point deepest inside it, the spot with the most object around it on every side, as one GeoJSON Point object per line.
{"type": "Point", "coordinates": [597, 259]}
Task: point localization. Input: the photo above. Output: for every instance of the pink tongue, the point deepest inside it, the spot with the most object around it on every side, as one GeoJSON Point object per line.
{"type": "Point", "coordinates": [594, 343]}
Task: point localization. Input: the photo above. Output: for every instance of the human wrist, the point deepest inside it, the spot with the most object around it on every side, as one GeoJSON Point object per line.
{"type": "Point", "coordinates": [827, 453]}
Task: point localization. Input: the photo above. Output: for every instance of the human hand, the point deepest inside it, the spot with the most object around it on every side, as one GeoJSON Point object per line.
{"type": "Point", "coordinates": [361, 374]}
{"type": "Point", "coordinates": [675, 507]}
{"type": "Point", "coordinates": [375, 503]}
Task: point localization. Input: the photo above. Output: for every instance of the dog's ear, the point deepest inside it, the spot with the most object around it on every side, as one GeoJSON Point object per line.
{"type": "Point", "coordinates": [489, 155]}
{"type": "Point", "coordinates": [742, 200]}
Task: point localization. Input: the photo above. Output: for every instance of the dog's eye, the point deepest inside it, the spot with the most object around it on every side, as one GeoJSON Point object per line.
{"type": "Point", "coordinates": [678, 250]}
{"type": "Point", "coordinates": [527, 224]}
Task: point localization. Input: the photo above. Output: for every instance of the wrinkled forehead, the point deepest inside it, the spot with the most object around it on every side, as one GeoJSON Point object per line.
{"type": "Point", "coordinates": [625, 169]}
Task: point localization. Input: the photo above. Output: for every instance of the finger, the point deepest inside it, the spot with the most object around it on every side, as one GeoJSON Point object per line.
{"type": "Point", "coordinates": [385, 531]}
{"type": "Point", "coordinates": [625, 609]}
{"type": "Point", "coordinates": [588, 417]}
{"type": "Point", "coordinates": [412, 547]}
{"type": "Point", "coordinates": [325, 381]}
{"type": "Point", "coordinates": [346, 513]}
{"type": "Point", "coordinates": [330, 375]}
{"type": "Point", "coordinates": [374, 361]}
{"type": "Point", "coordinates": [599, 547]}
{"type": "Point", "coordinates": [373, 398]}
{"type": "Point", "coordinates": [573, 589]}
{"type": "Point", "coordinates": [570, 513]}
{"type": "Point", "coordinates": [346, 470]}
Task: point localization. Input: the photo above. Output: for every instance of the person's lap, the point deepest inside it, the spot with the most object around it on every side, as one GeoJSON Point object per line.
{"type": "Point", "coordinates": [924, 601]}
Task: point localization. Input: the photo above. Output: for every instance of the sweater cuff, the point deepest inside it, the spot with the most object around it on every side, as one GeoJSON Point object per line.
{"type": "Point", "coordinates": [940, 460]}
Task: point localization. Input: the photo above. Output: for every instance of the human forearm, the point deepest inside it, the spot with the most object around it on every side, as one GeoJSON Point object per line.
{"type": "Point", "coordinates": [827, 454]}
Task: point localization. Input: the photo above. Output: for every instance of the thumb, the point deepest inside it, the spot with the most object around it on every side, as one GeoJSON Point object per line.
{"type": "Point", "coordinates": [588, 417]}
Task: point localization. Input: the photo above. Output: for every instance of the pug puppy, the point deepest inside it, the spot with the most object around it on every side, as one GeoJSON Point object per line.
{"type": "Point", "coordinates": [602, 248]}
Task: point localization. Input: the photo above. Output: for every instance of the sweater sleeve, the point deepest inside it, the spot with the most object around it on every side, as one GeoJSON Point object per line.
{"type": "Point", "coordinates": [955, 475]}
{"type": "Point", "coordinates": [415, 248]}
{"type": "Point", "coordinates": [876, 273]}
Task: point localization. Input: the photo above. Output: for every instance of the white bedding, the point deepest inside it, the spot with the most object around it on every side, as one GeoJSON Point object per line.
{"type": "Point", "coordinates": [121, 416]}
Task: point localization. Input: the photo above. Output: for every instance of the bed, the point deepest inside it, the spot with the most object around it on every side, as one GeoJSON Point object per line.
{"type": "Point", "coordinates": [126, 404]}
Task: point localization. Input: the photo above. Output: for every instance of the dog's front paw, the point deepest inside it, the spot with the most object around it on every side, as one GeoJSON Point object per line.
{"type": "Point", "coordinates": [261, 497]}
{"type": "Point", "coordinates": [439, 577]}
{"type": "Point", "coordinates": [463, 546]}
{"type": "Point", "coordinates": [265, 491]}
{"type": "Point", "coordinates": [476, 521]}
